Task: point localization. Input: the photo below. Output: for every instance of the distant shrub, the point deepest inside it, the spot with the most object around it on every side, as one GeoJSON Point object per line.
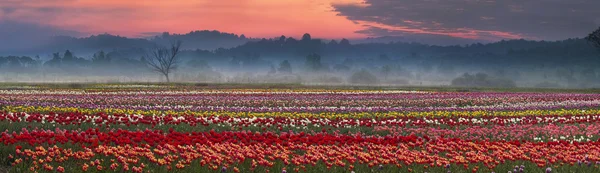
{"type": "Point", "coordinates": [363, 77]}
{"type": "Point", "coordinates": [482, 80]}
{"type": "Point", "coordinates": [329, 80]}
{"type": "Point", "coordinates": [75, 85]}
{"type": "Point", "coordinates": [547, 85]}
{"type": "Point", "coordinates": [398, 82]}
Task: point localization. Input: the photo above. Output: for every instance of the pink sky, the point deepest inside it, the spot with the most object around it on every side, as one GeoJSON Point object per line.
{"type": "Point", "coordinates": [254, 18]}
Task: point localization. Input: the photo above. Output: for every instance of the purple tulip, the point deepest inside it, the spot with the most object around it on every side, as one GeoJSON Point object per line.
{"type": "Point", "coordinates": [548, 170]}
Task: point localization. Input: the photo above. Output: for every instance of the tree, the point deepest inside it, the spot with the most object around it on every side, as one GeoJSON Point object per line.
{"type": "Point", "coordinates": [384, 58]}
{"type": "Point", "coordinates": [56, 60]}
{"type": "Point", "coordinates": [313, 62]}
{"type": "Point", "coordinates": [285, 67]}
{"type": "Point", "coordinates": [589, 74]}
{"type": "Point", "coordinates": [482, 80]}
{"type": "Point", "coordinates": [272, 70]}
{"type": "Point", "coordinates": [163, 60]}
{"type": "Point", "coordinates": [594, 38]}
{"type": "Point", "coordinates": [282, 39]}
{"type": "Point", "coordinates": [446, 68]}
{"type": "Point", "coordinates": [100, 59]}
{"type": "Point", "coordinates": [345, 42]}
{"type": "Point", "coordinates": [198, 64]}
{"type": "Point", "coordinates": [332, 43]}
{"type": "Point", "coordinates": [363, 77]}
{"type": "Point", "coordinates": [306, 37]}
{"type": "Point", "coordinates": [68, 58]}
{"type": "Point", "coordinates": [386, 70]}
{"type": "Point", "coordinates": [341, 68]}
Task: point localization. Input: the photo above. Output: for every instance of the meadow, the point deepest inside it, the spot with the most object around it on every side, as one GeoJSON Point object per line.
{"type": "Point", "coordinates": [291, 128]}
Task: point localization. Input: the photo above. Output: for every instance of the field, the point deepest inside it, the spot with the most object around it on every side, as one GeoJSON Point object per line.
{"type": "Point", "coordinates": [199, 128]}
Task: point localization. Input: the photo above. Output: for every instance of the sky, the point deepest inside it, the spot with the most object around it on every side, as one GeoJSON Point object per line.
{"type": "Point", "coordinates": [489, 20]}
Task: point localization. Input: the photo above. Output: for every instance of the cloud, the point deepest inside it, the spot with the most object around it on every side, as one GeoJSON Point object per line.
{"type": "Point", "coordinates": [481, 19]}
{"type": "Point", "coordinates": [148, 34]}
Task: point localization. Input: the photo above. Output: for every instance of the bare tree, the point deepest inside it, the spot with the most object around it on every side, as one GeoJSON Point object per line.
{"type": "Point", "coordinates": [163, 60]}
{"type": "Point", "coordinates": [594, 38]}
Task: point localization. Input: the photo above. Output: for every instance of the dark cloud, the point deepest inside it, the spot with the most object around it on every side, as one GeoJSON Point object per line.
{"type": "Point", "coordinates": [488, 19]}
{"type": "Point", "coordinates": [426, 38]}
{"type": "Point", "coordinates": [7, 10]}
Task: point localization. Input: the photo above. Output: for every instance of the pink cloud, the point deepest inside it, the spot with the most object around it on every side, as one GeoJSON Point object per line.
{"type": "Point", "coordinates": [467, 33]}
{"type": "Point", "coordinates": [255, 18]}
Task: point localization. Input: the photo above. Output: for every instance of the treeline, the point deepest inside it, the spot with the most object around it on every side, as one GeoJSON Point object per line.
{"type": "Point", "coordinates": [566, 63]}
{"type": "Point", "coordinates": [205, 40]}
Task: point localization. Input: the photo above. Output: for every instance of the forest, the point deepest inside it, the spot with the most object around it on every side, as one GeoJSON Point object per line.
{"type": "Point", "coordinates": [212, 56]}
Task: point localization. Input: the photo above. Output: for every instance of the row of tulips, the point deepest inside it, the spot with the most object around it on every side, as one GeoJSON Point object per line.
{"type": "Point", "coordinates": [95, 137]}
{"type": "Point", "coordinates": [571, 133]}
{"type": "Point", "coordinates": [77, 118]}
{"type": "Point", "coordinates": [328, 115]}
{"type": "Point", "coordinates": [267, 109]}
{"type": "Point", "coordinates": [291, 101]}
{"type": "Point", "coordinates": [438, 155]}
{"type": "Point", "coordinates": [529, 132]}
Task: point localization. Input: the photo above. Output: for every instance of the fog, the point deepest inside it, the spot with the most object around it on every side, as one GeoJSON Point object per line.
{"type": "Point", "coordinates": [569, 63]}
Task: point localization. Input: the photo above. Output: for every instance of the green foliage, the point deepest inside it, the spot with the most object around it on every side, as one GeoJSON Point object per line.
{"type": "Point", "coordinates": [547, 85]}
{"type": "Point", "coordinates": [363, 77]}
{"type": "Point", "coordinates": [386, 70]}
{"type": "Point", "coordinates": [285, 67]}
{"type": "Point", "coordinates": [198, 64]}
{"type": "Point", "coordinates": [594, 38]}
{"type": "Point", "coordinates": [313, 62]}
{"type": "Point", "coordinates": [482, 80]}
{"type": "Point", "coordinates": [101, 59]}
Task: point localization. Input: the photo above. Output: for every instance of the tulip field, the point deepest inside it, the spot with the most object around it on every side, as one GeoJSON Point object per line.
{"type": "Point", "coordinates": [114, 128]}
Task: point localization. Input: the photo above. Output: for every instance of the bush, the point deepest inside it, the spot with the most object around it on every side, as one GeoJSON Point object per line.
{"type": "Point", "coordinates": [398, 82]}
{"type": "Point", "coordinates": [329, 80]}
{"type": "Point", "coordinates": [482, 80]}
{"type": "Point", "coordinates": [363, 77]}
{"type": "Point", "coordinates": [75, 86]}
{"type": "Point", "coordinates": [547, 85]}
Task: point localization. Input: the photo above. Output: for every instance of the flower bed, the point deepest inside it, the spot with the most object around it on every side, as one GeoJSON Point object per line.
{"type": "Point", "coordinates": [154, 129]}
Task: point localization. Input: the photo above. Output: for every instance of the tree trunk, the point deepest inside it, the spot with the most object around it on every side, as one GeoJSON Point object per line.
{"type": "Point", "coordinates": [167, 76]}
